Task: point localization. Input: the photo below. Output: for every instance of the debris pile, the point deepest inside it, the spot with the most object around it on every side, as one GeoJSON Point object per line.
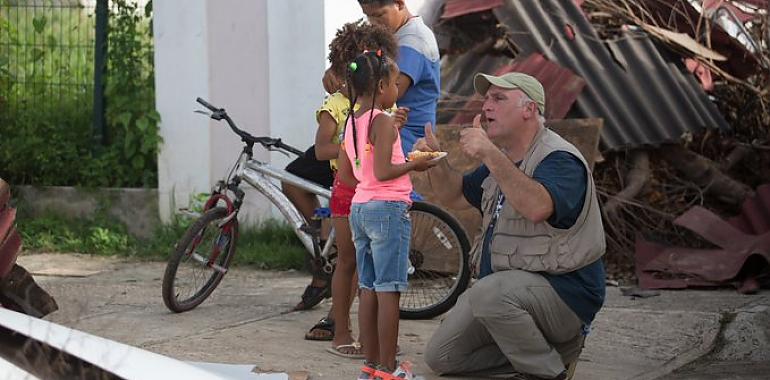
{"type": "Point", "coordinates": [682, 88]}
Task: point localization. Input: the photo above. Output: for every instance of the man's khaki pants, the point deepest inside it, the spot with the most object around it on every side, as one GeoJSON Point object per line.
{"type": "Point", "coordinates": [509, 320]}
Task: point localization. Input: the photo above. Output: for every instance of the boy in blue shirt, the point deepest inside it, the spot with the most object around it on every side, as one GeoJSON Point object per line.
{"type": "Point", "coordinates": [419, 82]}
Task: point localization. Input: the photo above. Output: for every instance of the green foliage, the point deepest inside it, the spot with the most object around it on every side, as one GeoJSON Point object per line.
{"type": "Point", "coordinates": [54, 233]}
{"type": "Point", "coordinates": [46, 97]}
{"type": "Point", "coordinates": [45, 128]}
{"type": "Point", "coordinates": [270, 246]}
{"type": "Point", "coordinates": [130, 92]}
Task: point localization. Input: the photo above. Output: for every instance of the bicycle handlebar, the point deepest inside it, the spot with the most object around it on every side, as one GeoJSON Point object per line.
{"type": "Point", "coordinates": [265, 141]}
{"type": "Point", "coordinates": [207, 105]}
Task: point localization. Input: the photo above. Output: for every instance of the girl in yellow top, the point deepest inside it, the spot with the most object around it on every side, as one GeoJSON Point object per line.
{"type": "Point", "coordinates": [349, 42]}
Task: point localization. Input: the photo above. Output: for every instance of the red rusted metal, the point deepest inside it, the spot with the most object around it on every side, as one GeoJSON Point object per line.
{"type": "Point", "coordinates": [702, 72]}
{"type": "Point", "coordinates": [742, 259]}
{"type": "Point", "coordinates": [561, 85]}
{"type": "Point", "coordinates": [642, 91]}
{"type": "Point", "coordinates": [455, 8]}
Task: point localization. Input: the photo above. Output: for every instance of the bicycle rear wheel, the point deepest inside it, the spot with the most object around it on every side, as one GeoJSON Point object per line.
{"type": "Point", "coordinates": [438, 253]}
{"type": "Point", "coordinates": [193, 271]}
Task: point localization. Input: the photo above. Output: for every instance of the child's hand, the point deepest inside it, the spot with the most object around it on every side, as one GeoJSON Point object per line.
{"type": "Point", "coordinates": [400, 117]}
{"type": "Point", "coordinates": [422, 164]}
{"type": "Point", "coordinates": [330, 81]}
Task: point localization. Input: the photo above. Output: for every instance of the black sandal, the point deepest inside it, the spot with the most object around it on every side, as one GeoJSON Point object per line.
{"type": "Point", "coordinates": [313, 295]}
{"type": "Point", "coordinates": [325, 324]}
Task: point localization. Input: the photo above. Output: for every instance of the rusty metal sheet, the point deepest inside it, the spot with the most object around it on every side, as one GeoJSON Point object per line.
{"type": "Point", "coordinates": [743, 16]}
{"type": "Point", "coordinates": [683, 17]}
{"type": "Point", "coordinates": [562, 86]}
{"type": "Point", "coordinates": [742, 260]}
{"type": "Point", "coordinates": [5, 193]}
{"type": "Point", "coordinates": [9, 249]}
{"type": "Point", "coordinates": [642, 90]}
{"type": "Point", "coordinates": [7, 217]}
{"type": "Point", "coordinates": [455, 8]}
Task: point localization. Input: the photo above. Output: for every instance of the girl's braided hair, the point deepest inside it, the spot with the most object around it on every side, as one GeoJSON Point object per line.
{"type": "Point", "coordinates": [355, 37]}
{"type": "Point", "coordinates": [363, 76]}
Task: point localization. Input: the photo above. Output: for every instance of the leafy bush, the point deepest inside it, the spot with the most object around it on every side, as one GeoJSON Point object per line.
{"type": "Point", "coordinates": [130, 93]}
{"type": "Point", "coordinates": [46, 98]}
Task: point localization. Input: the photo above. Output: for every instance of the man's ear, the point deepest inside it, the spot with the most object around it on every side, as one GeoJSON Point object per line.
{"type": "Point", "coordinates": [400, 4]}
{"type": "Point", "coordinates": [530, 111]}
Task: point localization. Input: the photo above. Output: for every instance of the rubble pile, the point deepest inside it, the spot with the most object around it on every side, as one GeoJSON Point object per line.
{"type": "Point", "coordinates": [682, 89]}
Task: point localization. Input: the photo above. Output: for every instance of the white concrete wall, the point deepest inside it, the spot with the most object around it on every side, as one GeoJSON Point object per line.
{"type": "Point", "coordinates": [260, 59]}
{"type": "Point", "coordinates": [181, 74]}
{"type": "Point", "coordinates": [296, 63]}
{"type": "Point", "coordinates": [239, 81]}
{"type": "Point", "coordinates": [339, 12]}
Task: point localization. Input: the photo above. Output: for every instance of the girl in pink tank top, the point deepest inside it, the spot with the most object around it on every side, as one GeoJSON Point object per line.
{"type": "Point", "coordinates": [379, 218]}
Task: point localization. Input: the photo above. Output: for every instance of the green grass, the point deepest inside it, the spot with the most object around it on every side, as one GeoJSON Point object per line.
{"type": "Point", "coordinates": [269, 246]}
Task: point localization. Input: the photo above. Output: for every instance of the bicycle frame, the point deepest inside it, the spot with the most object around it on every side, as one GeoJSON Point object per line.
{"type": "Point", "coordinates": [437, 286]}
{"type": "Point", "coordinates": [258, 174]}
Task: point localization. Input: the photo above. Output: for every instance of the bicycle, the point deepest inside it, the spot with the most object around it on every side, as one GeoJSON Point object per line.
{"type": "Point", "coordinates": [438, 270]}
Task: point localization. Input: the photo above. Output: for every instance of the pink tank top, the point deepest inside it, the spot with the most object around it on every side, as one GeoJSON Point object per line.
{"type": "Point", "coordinates": [369, 188]}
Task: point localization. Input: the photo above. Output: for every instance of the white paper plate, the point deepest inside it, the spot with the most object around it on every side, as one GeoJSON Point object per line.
{"type": "Point", "coordinates": [440, 156]}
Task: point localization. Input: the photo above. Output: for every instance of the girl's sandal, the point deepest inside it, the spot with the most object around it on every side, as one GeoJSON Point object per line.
{"type": "Point", "coordinates": [367, 372]}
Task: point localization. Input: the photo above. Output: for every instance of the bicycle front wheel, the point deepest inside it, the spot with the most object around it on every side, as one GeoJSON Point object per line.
{"type": "Point", "coordinates": [439, 270]}
{"type": "Point", "coordinates": [199, 261]}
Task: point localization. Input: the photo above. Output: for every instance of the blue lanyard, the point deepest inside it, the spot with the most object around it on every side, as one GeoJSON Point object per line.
{"type": "Point", "coordinates": [486, 259]}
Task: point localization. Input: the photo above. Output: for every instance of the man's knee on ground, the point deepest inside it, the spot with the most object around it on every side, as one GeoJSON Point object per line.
{"type": "Point", "coordinates": [436, 358]}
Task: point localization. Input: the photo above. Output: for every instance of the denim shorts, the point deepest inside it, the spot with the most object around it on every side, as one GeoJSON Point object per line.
{"type": "Point", "coordinates": [381, 233]}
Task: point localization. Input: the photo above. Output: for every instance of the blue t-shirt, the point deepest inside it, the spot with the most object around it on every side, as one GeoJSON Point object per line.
{"type": "Point", "coordinates": [418, 58]}
{"type": "Point", "coordinates": [565, 178]}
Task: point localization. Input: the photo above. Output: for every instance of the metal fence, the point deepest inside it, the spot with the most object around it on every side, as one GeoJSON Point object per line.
{"type": "Point", "coordinates": [47, 60]}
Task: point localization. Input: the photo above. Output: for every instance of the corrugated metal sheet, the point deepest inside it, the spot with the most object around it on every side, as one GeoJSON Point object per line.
{"type": "Point", "coordinates": [457, 84]}
{"type": "Point", "coordinates": [645, 95]}
{"type": "Point", "coordinates": [561, 85]}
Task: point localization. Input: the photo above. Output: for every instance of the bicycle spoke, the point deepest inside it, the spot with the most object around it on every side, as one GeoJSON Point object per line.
{"type": "Point", "coordinates": [194, 272]}
{"type": "Point", "coordinates": [438, 260]}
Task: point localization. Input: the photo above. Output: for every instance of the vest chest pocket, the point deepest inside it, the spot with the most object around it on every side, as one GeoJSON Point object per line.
{"type": "Point", "coordinates": [521, 252]}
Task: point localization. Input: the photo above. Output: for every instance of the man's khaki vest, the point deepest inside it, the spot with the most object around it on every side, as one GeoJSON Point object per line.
{"type": "Point", "coordinates": [518, 243]}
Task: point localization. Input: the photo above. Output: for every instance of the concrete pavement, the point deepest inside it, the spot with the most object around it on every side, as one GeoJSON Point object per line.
{"type": "Point", "coordinates": [676, 335]}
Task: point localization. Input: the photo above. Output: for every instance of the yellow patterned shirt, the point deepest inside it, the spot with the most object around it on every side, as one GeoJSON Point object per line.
{"type": "Point", "coordinates": [338, 106]}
